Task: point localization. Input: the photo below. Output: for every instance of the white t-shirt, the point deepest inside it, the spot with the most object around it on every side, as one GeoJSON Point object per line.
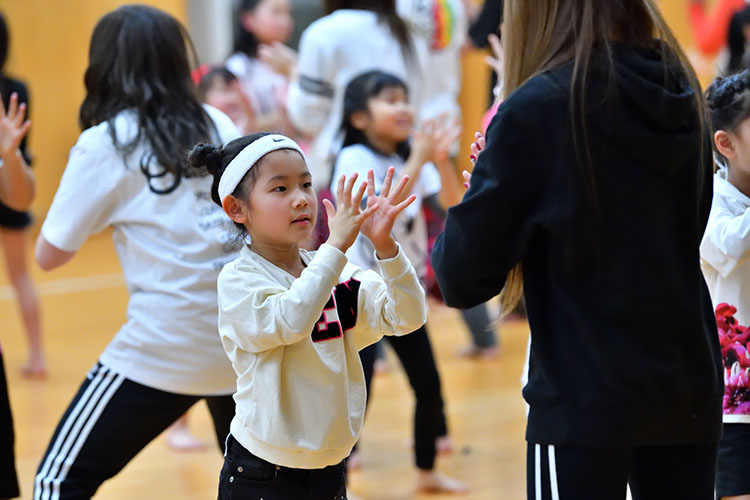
{"type": "Point", "coordinates": [295, 342]}
{"type": "Point", "coordinates": [171, 248]}
{"type": "Point", "coordinates": [333, 50]}
{"type": "Point", "coordinates": [410, 229]}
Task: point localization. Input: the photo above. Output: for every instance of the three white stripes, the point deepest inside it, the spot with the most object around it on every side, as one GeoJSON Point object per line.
{"type": "Point", "coordinates": [552, 467]}
{"type": "Point", "coordinates": [74, 433]}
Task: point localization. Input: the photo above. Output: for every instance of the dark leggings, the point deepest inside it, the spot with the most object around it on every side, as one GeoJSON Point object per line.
{"type": "Point", "coordinates": [108, 422]}
{"type": "Point", "coordinates": [415, 353]}
{"type": "Point", "coordinates": [653, 472]}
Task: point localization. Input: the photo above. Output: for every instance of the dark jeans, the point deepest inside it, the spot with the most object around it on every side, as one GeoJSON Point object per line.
{"type": "Point", "coordinates": [247, 477]}
{"type": "Point", "coordinates": [653, 472]}
{"type": "Point", "coordinates": [108, 422]}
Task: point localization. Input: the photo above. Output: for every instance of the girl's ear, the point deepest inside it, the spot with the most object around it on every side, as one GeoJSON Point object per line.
{"type": "Point", "coordinates": [235, 209]}
{"type": "Point", "coordinates": [359, 119]}
{"type": "Point", "coordinates": [724, 144]}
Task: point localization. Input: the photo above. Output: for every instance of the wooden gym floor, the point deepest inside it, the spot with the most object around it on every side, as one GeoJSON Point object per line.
{"type": "Point", "coordinates": [83, 305]}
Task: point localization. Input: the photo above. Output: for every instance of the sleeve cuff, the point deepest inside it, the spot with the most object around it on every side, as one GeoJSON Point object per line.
{"type": "Point", "coordinates": [394, 267]}
{"type": "Point", "coordinates": [331, 257]}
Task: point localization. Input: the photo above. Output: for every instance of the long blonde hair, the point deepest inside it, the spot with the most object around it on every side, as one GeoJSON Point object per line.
{"type": "Point", "coordinates": [540, 35]}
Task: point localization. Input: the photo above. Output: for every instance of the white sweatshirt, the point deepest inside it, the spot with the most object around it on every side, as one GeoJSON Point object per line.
{"type": "Point", "coordinates": [294, 344]}
{"type": "Point", "coordinates": [725, 249]}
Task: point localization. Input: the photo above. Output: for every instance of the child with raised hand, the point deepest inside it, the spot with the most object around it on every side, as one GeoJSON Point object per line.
{"type": "Point", "coordinates": [725, 253]}
{"type": "Point", "coordinates": [292, 322]}
{"type": "Point", "coordinates": [377, 127]}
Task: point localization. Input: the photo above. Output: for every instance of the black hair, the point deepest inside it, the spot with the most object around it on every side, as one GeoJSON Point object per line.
{"type": "Point", "coordinates": [215, 160]}
{"type": "Point", "coordinates": [386, 11]}
{"type": "Point", "coordinates": [245, 41]}
{"type": "Point", "coordinates": [4, 43]}
{"type": "Point", "coordinates": [207, 80]}
{"type": "Point", "coordinates": [138, 60]}
{"type": "Point", "coordinates": [728, 101]}
{"type": "Point", "coordinates": [736, 40]}
{"type": "Point", "coordinates": [358, 93]}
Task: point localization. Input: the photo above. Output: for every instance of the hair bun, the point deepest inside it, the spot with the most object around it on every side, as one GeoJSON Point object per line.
{"type": "Point", "coordinates": [206, 155]}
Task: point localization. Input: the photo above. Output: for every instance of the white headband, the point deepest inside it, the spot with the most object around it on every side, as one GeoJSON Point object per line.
{"type": "Point", "coordinates": [248, 157]}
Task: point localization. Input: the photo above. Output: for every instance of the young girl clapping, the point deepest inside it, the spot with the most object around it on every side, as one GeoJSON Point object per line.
{"type": "Point", "coordinates": [292, 321]}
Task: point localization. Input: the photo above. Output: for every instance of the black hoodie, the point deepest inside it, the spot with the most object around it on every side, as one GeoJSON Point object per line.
{"type": "Point", "coordinates": [624, 344]}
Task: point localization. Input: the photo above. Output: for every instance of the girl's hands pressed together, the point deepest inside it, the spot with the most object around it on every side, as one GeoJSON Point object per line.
{"type": "Point", "coordinates": [13, 128]}
{"type": "Point", "coordinates": [378, 227]}
{"type": "Point", "coordinates": [344, 224]}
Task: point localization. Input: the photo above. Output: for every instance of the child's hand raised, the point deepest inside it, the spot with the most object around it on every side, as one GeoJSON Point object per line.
{"type": "Point", "coordinates": [378, 227]}
{"type": "Point", "coordinates": [344, 224]}
{"type": "Point", "coordinates": [13, 128]}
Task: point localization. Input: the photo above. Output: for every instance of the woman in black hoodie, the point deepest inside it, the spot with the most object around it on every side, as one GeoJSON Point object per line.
{"type": "Point", "coordinates": [596, 181]}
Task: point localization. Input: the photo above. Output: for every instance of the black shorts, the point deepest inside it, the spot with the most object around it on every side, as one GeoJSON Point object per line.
{"type": "Point", "coordinates": [732, 477]}
{"type": "Point", "coordinates": [8, 476]}
{"type": "Point", "coordinates": [11, 219]}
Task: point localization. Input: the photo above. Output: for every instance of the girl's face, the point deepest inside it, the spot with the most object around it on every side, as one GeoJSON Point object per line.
{"type": "Point", "coordinates": [740, 158]}
{"type": "Point", "coordinates": [282, 207]}
{"type": "Point", "coordinates": [226, 98]}
{"type": "Point", "coordinates": [389, 117]}
{"type": "Point", "coordinates": [270, 21]}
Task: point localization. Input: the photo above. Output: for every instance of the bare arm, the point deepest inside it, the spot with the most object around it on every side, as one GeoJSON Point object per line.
{"type": "Point", "coordinates": [49, 256]}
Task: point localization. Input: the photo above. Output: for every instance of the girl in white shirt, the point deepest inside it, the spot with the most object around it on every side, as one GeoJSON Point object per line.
{"type": "Point", "coordinates": [377, 125]}
{"type": "Point", "coordinates": [126, 172]}
{"type": "Point", "coordinates": [725, 259]}
{"type": "Point", "coordinates": [332, 51]}
{"type": "Point", "coordinates": [292, 322]}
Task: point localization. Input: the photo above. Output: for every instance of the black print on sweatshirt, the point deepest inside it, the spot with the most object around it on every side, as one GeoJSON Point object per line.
{"type": "Point", "coordinates": [339, 313]}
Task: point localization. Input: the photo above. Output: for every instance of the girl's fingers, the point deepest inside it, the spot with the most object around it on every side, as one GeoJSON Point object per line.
{"type": "Point", "coordinates": [371, 184]}
{"type": "Point", "coordinates": [363, 216]}
{"type": "Point", "coordinates": [21, 114]}
{"type": "Point", "coordinates": [399, 188]}
{"type": "Point", "coordinates": [348, 190]}
{"type": "Point", "coordinates": [13, 105]}
{"type": "Point", "coordinates": [401, 206]}
{"type": "Point", "coordinates": [481, 142]}
{"type": "Point", "coordinates": [386, 189]}
{"type": "Point", "coordinates": [330, 210]}
{"type": "Point", "coordinates": [467, 175]}
{"type": "Point", "coordinates": [340, 189]}
{"type": "Point", "coordinates": [357, 200]}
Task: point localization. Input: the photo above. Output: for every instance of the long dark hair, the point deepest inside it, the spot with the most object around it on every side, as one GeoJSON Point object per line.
{"type": "Point", "coordinates": [245, 41]}
{"type": "Point", "coordinates": [138, 60]}
{"type": "Point", "coordinates": [386, 11]}
{"type": "Point", "coordinates": [540, 35]}
{"type": "Point", "coordinates": [359, 91]}
{"type": "Point", "coordinates": [736, 41]}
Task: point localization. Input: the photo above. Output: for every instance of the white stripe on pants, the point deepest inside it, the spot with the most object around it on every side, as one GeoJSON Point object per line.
{"type": "Point", "coordinates": [74, 432]}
